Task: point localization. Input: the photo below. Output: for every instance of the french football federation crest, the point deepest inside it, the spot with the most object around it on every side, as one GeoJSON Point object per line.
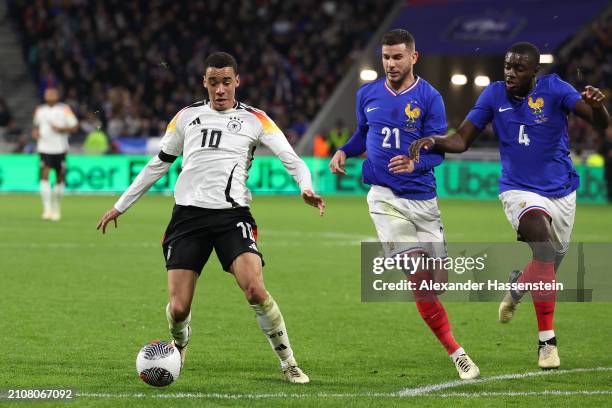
{"type": "Point", "coordinates": [536, 105]}
{"type": "Point", "coordinates": [412, 113]}
{"type": "Point", "coordinates": [235, 124]}
{"type": "Point", "coordinates": [538, 109]}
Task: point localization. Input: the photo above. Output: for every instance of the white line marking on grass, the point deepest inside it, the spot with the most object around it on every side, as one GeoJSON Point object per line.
{"type": "Point", "coordinates": [516, 394]}
{"type": "Point", "coordinates": [459, 383]}
{"type": "Point", "coordinates": [424, 391]}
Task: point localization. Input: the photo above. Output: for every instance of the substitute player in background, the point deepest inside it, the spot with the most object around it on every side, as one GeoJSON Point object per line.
{"type": "Point", "coordinates": [392, 112]}
{"type": "Point", "coordinates": [53, 123]}
{"type": "Point", "coordinates": [217, 139]}
{"type": "Point", "coordinates": [538, 183]}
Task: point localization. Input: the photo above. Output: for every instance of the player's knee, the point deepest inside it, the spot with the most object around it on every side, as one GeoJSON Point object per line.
{"type": "Point", "coordinates": [179, 309]}
{"type": "Point", "coordinates": [255, 293]}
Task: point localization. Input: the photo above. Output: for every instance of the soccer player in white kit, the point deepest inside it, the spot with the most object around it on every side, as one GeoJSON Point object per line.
{"type": "Point", "coordinates": [217, 139]}
{"type": "Point", "coordinates": [53, 123]}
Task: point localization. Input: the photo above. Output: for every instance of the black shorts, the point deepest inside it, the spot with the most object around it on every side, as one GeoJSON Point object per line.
{"type": "Point", "coordinates": [55, 161]}
{"type": "Point", "coordinates": [193, 232]}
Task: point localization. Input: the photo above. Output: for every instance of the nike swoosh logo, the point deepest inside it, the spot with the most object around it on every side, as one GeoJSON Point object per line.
{"type": "Point", "coordinates": [504, 109]}
{"type": "Point", "coordinates": [371, 109]}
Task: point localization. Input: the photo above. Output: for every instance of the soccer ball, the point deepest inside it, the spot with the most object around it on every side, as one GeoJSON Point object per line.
{"type": "Point", "coordinates": [158, 363]}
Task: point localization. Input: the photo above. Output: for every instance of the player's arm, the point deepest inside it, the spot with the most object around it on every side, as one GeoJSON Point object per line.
{"type": "Point", "coordinates": [356, 145]}
{"type": "Point", "coordinates": [592, 107]}
{"type": "Point", "coordinates": [461, 139]}
{"type": "Point", "coordinates": [171, 148]}
{"type": "Point", "coordinates": [455, 142]}
{"type": "Point", "coordinates": [73, 123]}
{"type": "Point", "coordinates": [274, 138]}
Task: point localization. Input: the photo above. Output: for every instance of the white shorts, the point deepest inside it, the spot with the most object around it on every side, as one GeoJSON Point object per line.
{"type": "Point", "coordinates": [560, 210]}
{"type": "Point", "coordinates": [404, 225]}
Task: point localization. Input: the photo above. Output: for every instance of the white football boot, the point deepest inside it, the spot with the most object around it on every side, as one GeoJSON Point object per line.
{"type": "Point", "coordinates": [466, 368]}
{"type": "Point", "coordinates": [183, 349]}
{"type": "Point", "coordinates": [511, 300]}
{"type": "Point", "coordinates": [294, 374]}
{"type": "Point", "coordinates": [548, 356]}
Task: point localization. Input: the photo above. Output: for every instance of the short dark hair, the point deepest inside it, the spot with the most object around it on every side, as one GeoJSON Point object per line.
{"type": "Point", "coordinates": [526, 48]}
{"type": "Point", "coordinates": [398, 36]}
{"type": "Point", "coordinates": [220, 59]}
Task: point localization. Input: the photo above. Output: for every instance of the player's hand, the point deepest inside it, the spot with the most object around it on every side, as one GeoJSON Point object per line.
{"type": "Point", "coordinates": [337, 163]}
{"type": "Point", "coordinates": [425, 143]}
{"type": "Point", "coordinates": [401, 164]}
{"type": "Point", "coordinates": [57, 129]}
{"type": "Point", "coordinates": [315, 200]}
{"type": "Point", "coordinates": [111, 215]}
{"type": "Point", "coordinates": [593, 96]}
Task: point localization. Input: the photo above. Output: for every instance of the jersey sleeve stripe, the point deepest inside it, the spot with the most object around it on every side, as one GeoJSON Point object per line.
{"type": "Point", "coordinates": [268, 125]}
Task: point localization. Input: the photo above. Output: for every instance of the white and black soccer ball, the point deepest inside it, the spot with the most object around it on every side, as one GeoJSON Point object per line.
{"type": "Point", "coordinates": [158, 363]}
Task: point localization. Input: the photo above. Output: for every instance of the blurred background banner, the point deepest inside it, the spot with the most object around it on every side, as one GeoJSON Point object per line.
{"type": "Point", "coordinates": [113, 173]}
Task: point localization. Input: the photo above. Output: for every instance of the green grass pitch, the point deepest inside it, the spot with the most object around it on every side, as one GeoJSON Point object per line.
{"type": "Point", "coordinates": [76, 306]}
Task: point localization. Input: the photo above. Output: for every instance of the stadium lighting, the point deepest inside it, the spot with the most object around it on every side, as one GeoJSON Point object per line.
{"type": "Point", "coordinates": [482, 80]}
{"type": "Point", "coordinates": [546, 59]}
{"type": "Point", "coordinates": [368, 75]}
{"type": "Point", "coordinates": [459, 79]}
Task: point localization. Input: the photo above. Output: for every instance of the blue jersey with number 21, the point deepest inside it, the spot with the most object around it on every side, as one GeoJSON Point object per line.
{"type": "Point", "coordinates": [532, 132]}
{"type": "Point", "coordinates": [387, 123]}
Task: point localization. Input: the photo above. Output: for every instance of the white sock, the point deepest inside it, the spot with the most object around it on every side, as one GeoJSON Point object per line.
{"type": "Point", "coordinates": [457, 353]}
{"type": "Point", "coordinates": [546, 335]}
{"type": "Point", "coordinates": [272, 324]}
{"type": "Point", "coordinates": [45, 194]}
{"type": "Point", "coordinates": [56, 197]}
{"type": "Point", "coordinates": [178, 330]}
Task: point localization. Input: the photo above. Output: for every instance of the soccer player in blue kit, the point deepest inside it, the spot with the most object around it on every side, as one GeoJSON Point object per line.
{"type": "Point", "coordinates": [392, 112]}
{"type": "Point", "coordinates": [538, 182]}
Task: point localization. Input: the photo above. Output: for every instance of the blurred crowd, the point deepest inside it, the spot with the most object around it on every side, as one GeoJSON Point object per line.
{"type": "Point", "coordinates": [589, 62]}
{"type": "Point", "coordinates": [129, 66]}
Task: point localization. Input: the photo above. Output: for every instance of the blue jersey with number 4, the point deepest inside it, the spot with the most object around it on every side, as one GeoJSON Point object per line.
{"type": "Point", "coordinates": [532, 132]}
{"type": "Point", "coordinates": [387, 123]}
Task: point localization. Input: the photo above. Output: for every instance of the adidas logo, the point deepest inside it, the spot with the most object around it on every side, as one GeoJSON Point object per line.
{"type": "Point", "coordinates": [196, 121]}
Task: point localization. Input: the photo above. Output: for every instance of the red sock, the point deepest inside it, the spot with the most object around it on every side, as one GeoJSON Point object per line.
{"type": "Point", "coordinates": [436, 318]}
{"type": "Point", "coordinates": [543, 300]}
{"type": "Point", "coordinates": [433, 312]}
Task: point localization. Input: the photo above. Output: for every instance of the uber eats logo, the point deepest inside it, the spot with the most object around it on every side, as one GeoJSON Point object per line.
{"type": "Point", "coordinates": [112, 174]}
{"type": "Point", "coordinates": [91, 178]}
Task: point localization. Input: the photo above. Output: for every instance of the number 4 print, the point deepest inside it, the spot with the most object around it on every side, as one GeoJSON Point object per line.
{"type": "Point", "coordinates": [523, 138]}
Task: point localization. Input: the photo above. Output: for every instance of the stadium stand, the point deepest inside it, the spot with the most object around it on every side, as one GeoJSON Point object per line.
{"type": "Point", "coordinates": [133, 65]}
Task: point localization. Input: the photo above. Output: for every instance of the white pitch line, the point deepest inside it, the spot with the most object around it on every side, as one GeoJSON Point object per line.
{"type": "Point", "coordinates": [516, 393]}
{"type": "Point", "coordinates": [459, 383]}
{"type": "Point", "coordinates": [424, 391]}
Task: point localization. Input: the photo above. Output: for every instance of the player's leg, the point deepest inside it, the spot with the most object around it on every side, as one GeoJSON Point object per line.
{"type": "Point", "coordinates": [181, 287]}
{"type": "Point", "coordinates": [425, 215]}
{"type": "Point", "coordinates": [237, 250]}
{"type": "Point", "coordinates": [532, 216]}
{"type": "Point", "coordinates": [59, 165]}
{"type": "Point", "coordinates": [186, 252]}
{"type": "Point", "coordinates": [247, 269]}
{"type": "Point", "coordinates": [536, 228]}
{"type": "Point", "coordinates": [518, 204]}
{"type": "Point", "coordinates": [396, 227]}
{"type": "Point", "coordinates": [45, 187]}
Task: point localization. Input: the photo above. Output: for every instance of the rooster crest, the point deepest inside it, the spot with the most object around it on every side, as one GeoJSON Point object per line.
{"type": "Point", "coordinates": [536, 105]}
{"type": "Point", "coordinates": [412, 114]}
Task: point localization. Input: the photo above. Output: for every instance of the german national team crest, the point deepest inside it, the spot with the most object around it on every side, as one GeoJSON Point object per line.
{"type": "Point", "coordinates": [235, 124]}
{"type": "Point", "coordinates": [537, 108]}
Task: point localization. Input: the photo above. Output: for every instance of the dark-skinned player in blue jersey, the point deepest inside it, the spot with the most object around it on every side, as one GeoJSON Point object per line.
{"type": "Point", "coordinates": [538, 182]}
{"type": "Point", "coordinates": [392, 112]}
